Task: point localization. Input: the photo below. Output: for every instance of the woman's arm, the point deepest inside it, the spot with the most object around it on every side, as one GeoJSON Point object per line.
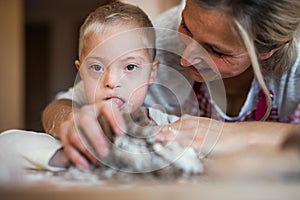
{"type": "Point", "coordinates": [213, 137]}
{"type": "Point", "coordinates": [264, 133]}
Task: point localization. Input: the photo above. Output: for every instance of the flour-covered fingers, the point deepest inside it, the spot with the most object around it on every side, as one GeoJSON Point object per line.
{"type": "Point", "coordinates": [75, 157]}
{"type": "Point", "coordinates": [70, 136]}
{"type": "Point", "coordinates": [114, 117]}
{"type": "Point", "coordinates": [91, 132]}
{"type": "Point", "coordinates": [75, 138]}
{"type": "Point", "coordinates": [164, 133]}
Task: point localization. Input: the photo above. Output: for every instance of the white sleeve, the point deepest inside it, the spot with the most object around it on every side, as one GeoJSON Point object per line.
{"type": "Point", "coordinates": [173, 85]}
{"type": "Point", "coordinates": [75, 93]}
{"type": "Point", "coordinates": [31, 149]}
{"type": "Point", "coordinates": [160, 117]}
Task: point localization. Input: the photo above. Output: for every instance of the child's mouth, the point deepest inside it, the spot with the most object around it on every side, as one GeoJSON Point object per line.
{"type": "Point", "coordinates": [117, 101]}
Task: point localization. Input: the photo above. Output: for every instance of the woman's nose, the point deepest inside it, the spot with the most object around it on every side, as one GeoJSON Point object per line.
{"type": "Point", "coordinates": [192, 55]}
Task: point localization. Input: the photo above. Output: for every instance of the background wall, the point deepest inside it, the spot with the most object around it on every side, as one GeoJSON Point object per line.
{"type": "Point", "coordinates": [154, 7]}
{"type": "Point", "coordinates": [37, 52]}
{"type": "Point", "coordinates": [11, 65]}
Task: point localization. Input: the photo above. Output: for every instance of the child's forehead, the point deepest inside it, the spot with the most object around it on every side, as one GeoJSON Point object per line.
{"type": "Point", "coordinates": [117, 41]}
{"type": "Point", "coordinates": [138, 55]}
{"type": "Point", "coordinates": [112, 34]}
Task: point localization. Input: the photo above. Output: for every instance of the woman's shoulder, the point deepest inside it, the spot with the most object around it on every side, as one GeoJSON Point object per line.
{"type": "Point", "coordinates": [292, 77]}
{"type": "Point", "coordinates": [289, 80]}
{"type": "Point", "coordinates": [169, 19]}
{"type": "Point", "coordinates": [287, 89]}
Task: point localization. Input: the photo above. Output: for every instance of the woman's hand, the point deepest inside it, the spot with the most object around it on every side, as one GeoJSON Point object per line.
{"type": "Point", "coordinates": [202, 134]}
{"type": "Point", "coordinates": [208, 136]}
{"type": "Point", "coordinates": [82, 137]}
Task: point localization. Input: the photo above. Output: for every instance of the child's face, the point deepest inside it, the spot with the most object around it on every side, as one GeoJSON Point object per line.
{"type": "Point", "coordinates": [117, 68]}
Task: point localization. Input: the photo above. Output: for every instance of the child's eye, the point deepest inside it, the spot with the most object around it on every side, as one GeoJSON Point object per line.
{"type": "Point", "coordinates": [131, 67]}
{"type": "Point", "coordinates": [97, 68]}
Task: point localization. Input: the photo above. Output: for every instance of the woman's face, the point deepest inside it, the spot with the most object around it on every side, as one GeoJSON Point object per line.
{"type": "Point", "coordinates": [212, 29]}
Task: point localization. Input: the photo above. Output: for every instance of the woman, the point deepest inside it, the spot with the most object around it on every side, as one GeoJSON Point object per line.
{"type": "Point", "coordinates": [271, 47]}
{"type": "Point", "coordinates": [254, 45]}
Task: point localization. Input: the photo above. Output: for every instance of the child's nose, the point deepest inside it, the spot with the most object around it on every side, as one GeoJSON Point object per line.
{"type": "Point", "coordinates": [112, 78]}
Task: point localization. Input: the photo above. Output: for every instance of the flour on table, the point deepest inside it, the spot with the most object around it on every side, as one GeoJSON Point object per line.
{"type": "Point", "coordinates": [137, 154]}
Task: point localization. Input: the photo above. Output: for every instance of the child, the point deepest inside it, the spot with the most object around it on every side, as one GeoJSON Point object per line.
{"type": "Point", "coordinates": [116, 63]}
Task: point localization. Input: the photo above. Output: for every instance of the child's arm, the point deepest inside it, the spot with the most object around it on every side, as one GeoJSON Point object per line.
{"type": "Point", "coordinates": [32, 150]}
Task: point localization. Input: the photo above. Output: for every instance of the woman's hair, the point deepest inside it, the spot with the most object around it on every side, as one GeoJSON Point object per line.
{"type": "Point", "coordinates": [116, 14]}
{"type": "Point", "coordinates": [269, 24]}
{"type": "Point", "coordinates": [264, 25]}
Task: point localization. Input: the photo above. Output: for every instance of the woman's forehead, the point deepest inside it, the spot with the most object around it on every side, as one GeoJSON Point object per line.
{"type": "Point", "coordinates": [213, 27]}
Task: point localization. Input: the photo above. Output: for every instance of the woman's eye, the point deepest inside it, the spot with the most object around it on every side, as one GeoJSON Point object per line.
{"type": "Point", "coordinates": [217, 53]}
{"type": "Point", "coordinates": [97, 68]}
{"type": "Point", "coordinates": [131, 67]}
{"type": "Point", "coordinates": [185, 28]}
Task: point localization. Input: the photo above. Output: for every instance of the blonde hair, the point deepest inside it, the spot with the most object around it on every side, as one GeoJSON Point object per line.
{"type": "Point", "coordinates": [114, 14]}
{"type": "Point", "coordinates": [264, 26]}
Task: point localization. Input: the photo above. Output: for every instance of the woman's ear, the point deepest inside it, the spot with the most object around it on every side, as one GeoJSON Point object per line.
{"type": "Point", "coordinates": [154, 71]}
{"type": "Point", "coordinates": [267, 55]}
{"type": "Point", "coordinates": [77, 64]}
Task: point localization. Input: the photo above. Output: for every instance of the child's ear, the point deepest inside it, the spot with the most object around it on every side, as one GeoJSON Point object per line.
{"type": "Point", "coordinates": [154, 70]}
{"type": "Point", "coordinates": [77, 64]}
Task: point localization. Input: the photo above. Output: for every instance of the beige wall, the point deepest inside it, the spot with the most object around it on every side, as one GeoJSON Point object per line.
{"type": "Point", "coordinates": [11, 64]}
{"type": "Point", "coordinates": [154, 7]}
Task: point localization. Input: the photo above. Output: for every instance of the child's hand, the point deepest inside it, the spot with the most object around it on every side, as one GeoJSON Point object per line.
{"type": "Point", "coordinates": [82, 136]}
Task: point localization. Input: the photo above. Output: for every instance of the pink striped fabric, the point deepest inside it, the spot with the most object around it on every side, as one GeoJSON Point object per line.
{"type": "Point", "coordinates": [207, 109]}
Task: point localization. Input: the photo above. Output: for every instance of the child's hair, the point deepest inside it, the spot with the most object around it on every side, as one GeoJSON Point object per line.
{"type": "Point", "coordinates": [263, 26]}
{"type": "Point", "coordinates": [114, 14]}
